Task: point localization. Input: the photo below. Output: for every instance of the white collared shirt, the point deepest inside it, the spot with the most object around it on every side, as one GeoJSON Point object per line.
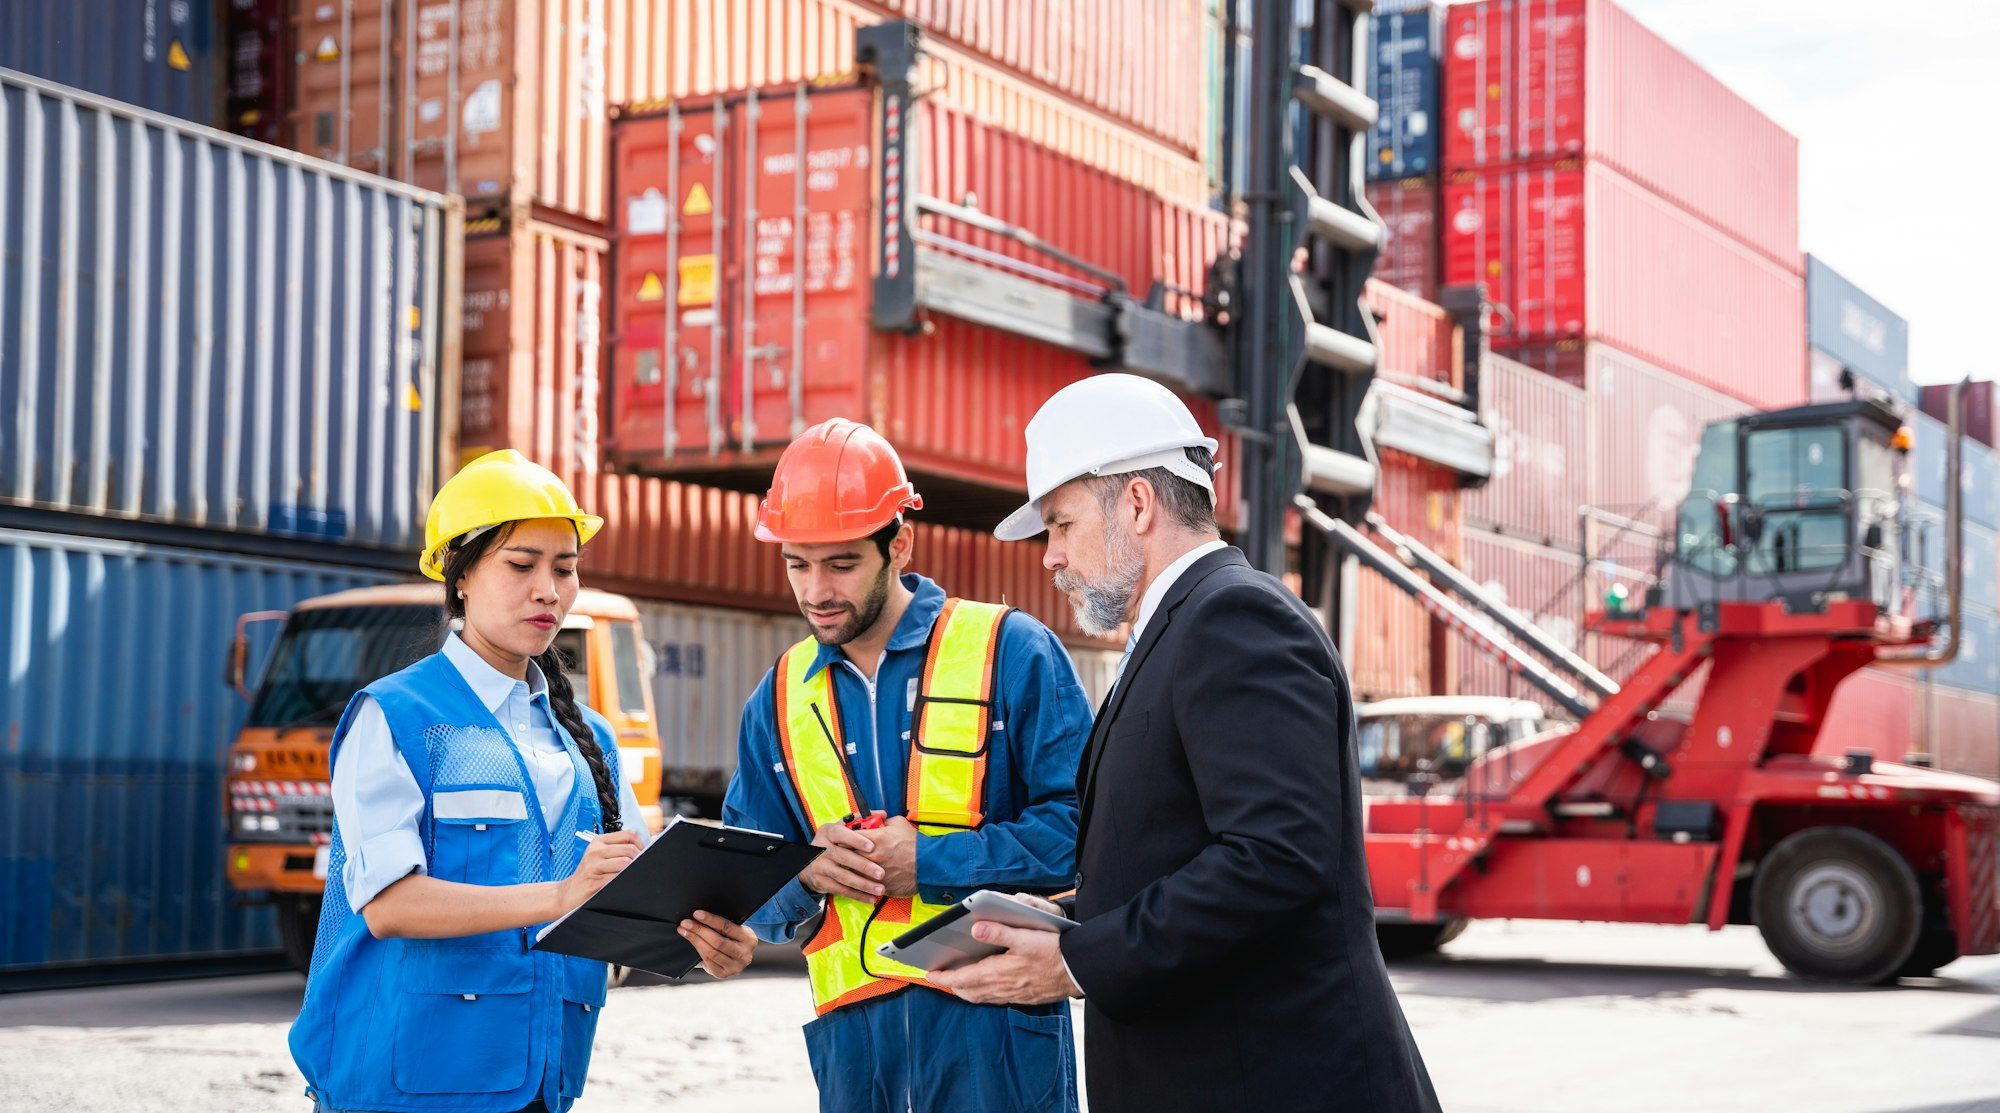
{"type": "Point", "coordinates": [380, 807]}
{"type": "Point", "coordinates": [1157, 590]}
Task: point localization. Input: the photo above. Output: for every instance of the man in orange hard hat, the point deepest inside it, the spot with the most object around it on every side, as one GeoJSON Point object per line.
{"type": "Point", "coordinates": [930, 744]}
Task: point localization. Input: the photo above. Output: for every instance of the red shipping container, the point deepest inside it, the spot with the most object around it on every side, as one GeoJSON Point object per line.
{"type": "Point", "coordinates": [1409, 256]}
{"type": "Point", "coordinates": [1393, 648]}
{"type": "Point", "coordinates": [1584, 253]}
{"type": "Point", "coordinates": [1959, 729]}
{"type": "Point", "coordinates": [761, 295]}
{"type": "Point", "coordinates": [1545, 586]}
{"type": "Point", "coordinates": [534, 351]}
{"type": "Point", "coordinates": [1645, 426]}
{"type": "Point", "coordinates": [1977, 407]}
{"type": "Point", "coordinates": [1537, 80]}
{"type": "Point", "coordinates": [1539, 466]}
{"type": "Point", "coordinates": [345, 84]}
{"type": "Point", "coordinates": [1419, 342]}
{"type": "Point", "coordinates": [1074, 105]}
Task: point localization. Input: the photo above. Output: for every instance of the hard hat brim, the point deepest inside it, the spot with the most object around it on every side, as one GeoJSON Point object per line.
{"type": "Point", "coordinates": [431, 563]}
{"type": "Point", "coordinates": [1021, 525]}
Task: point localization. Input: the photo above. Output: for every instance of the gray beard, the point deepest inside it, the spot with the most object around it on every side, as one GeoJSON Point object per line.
{"type": "Point", "coordinates": [1103, 606]}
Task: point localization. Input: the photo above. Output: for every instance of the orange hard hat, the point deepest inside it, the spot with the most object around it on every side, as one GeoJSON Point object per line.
{"type": "Point", "coordinates": [840, 481]}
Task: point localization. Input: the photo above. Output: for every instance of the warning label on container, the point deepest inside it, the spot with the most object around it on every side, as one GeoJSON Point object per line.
{"type": "Point", "coordinates": [327, 50]}
{"type": "Point", "coordinates": [646, 214]}
{"type": "Point", "coordinates": [482, 109]}
{"type": "Point", "coordinates": [649, 288]}
{"type": "Point", "coordinates": [177, 57]}
{"type": "Point", "coordinates": [697, 203]}
{"type": "Point", "coordinates": [697, 281]}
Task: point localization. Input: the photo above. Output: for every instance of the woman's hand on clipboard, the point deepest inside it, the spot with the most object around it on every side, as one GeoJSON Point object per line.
{"type": "Point", "coordinates": [608, 854]}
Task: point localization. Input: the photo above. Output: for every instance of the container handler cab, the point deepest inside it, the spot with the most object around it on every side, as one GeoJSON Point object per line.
{"type": "Point", "coordinates": [1786, 573]}
{"type": "Point", "coordinates": [280, 807]}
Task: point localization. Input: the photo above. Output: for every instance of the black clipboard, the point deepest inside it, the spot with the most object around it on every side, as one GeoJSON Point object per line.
{"type": "Point", "coordinates": [635, 919]}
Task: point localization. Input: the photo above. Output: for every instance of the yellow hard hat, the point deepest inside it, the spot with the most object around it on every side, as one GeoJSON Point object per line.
{"type": "Point", "coordinates": [497, 488]}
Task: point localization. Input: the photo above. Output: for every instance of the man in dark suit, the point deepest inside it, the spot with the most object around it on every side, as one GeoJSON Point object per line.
{"type": "Point", "coordinates": [1226, 949]}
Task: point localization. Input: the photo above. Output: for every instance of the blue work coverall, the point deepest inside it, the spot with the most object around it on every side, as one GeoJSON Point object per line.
{"type": "Point", "coordinates": [921, 1049]}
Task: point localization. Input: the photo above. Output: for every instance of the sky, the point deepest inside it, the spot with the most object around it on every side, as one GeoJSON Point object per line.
{"type": "Point", "coordinates": [1899, 166]}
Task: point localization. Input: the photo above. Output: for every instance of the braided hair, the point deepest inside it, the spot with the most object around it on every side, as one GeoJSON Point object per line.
{"type": "Point", "coordinates": [459, 560]}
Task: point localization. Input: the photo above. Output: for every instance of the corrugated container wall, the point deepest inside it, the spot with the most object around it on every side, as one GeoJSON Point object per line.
{"type": "Point", "coordinates": [1586, 253]}
{"type": "Point", "coordinates": [166, 56]}
{"type": "Point", "coordinates": [1393, 648]}
{"type": "Point", "coordinates": [1541, 80]}
{"type": "Point", "coordinates": [205, 332]}
{"type": "Point", "coordinates": [1977, 408]}
{"type": "Point", "coordinates": [728, 344]}
{"type": "Point", "coordinates": [1545, 586]}
{"type": "Point", "coordinates": [1874, 710]}
{"type": "Point", "coordinates": [1409, 256]}
{"type": "Point", "coordinates": [117, 723]}
{"type": "Point", "coordinates": [1539, 461]}
{"type": "Point", "coordinates": [1977, 666]}
{"type": "Point", "coordinates": [1925, 552]}
{"type": "Point", "coordinates": [1961, 730]}
{"type": "Point", "coordinates": [1645, 426]}
{"type": "Point", "coordinates": [1419, 340]}
{"type": "Point", "coordinates": [1402, 79]}
{"type": "Point", "coordinates": [668, 52]}
{"type": "Point", "coordinates": [496, 100]}
{"type": "Point", "coordinates": [708, 662]}
{"type": "Point", "coordinates": [1856, 332]}
{"type": "Point", "coordinates": [1978, 477]}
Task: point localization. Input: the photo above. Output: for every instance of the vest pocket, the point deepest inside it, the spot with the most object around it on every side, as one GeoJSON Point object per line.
{"type": "Point", "coordinates": [478, 834]}
{"type": "Point", "coordinates": [584, 984]}
{"type": "Point", "coordinates": [466, 1020]}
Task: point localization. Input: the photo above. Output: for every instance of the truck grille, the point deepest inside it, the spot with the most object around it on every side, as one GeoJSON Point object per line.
{"type": "Point", "coordinates": [280, 811]}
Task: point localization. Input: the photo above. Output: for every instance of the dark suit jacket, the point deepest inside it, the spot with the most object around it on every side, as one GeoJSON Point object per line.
{"type": "Point", "coordinates": [1227, 943]}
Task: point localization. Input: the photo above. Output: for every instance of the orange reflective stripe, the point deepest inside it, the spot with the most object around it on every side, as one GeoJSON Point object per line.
{"type": "Point", "coordinates": [862, 993]}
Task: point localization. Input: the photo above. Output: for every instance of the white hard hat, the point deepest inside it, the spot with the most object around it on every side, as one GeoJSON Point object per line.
{"type": "Point", "coordinates": [1106, 425]}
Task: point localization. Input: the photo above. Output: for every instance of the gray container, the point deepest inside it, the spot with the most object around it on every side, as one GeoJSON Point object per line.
{"type": "Point", "coordinates": [208, 332]}
{"type": "Point", "coordinates": [116, 720]}
{"type": "Point", "coordinates": [1854, 331]}
{"type": "Point", "coordinates": [707, 662]}
{"type": "Point", "coordinates": [167, 56]}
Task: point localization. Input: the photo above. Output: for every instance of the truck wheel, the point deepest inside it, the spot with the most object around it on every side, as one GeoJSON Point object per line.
{"type": "Point", "coordinates": [1935, 950]}
{"type": "Point", "coordinates": [1838, 904]}
{"type": "Point", "coordinates": [1406, 941]}
{"type": "Point", "coordinates": [298, 926]}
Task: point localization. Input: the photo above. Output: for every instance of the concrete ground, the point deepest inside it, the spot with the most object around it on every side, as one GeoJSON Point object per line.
{"type": "Point", "coordinates": [1514, 1018]}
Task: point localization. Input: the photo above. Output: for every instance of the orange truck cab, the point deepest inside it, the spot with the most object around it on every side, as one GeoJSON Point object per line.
{"type": "Point", "coordinates": [280, 803]}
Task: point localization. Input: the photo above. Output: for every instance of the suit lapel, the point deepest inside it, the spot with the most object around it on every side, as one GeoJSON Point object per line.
{"type": "Point", "coordinates": [1156, 629]}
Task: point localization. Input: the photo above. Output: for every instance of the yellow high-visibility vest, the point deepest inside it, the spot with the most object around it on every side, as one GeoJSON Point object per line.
{"type": "Point", "coordinates": [946, 790]}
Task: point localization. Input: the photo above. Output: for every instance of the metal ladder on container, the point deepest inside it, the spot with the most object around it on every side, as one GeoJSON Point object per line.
{"type": "Point", "coordinates": [1492, 628]}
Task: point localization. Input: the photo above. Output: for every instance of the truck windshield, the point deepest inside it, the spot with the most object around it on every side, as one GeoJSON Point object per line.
{"type": "Point", "coordinates": [1395, 746]}
{"type": "Point", "coordinates": [325, 656]}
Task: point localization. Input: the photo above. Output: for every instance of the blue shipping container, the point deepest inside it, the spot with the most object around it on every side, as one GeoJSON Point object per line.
{"type": "Point", "coordinates": [1403, 80]}
{"type": "Point", "coordinates": [207, 332]}
{"type": "Point", "coordinates": [1980, 572]}
{"type": "Point", "coordinates": [166, 56]}
{"type": "Point", "coordinates": [1979, 481]}
{"type": "Point", "coordinates": [1857, 332]}
{"type": "Point", "coordinates": [1977, 666]}
{"type": "Point", "coordinates": [116, 721]}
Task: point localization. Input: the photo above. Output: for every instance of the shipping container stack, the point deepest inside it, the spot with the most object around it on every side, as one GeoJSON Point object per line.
{"type": "Point", "coordinates": [654, 323]}
{"type": "Point", "coordinates": [225, 370]}
{"type": "Point", "coordinates": [1403, 148]}
{"type": "Point", "coordinates": [1951, 713]}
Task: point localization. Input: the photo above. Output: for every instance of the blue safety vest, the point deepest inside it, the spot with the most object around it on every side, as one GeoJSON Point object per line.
{"type": "Point", "coordinates": [477, 1024]}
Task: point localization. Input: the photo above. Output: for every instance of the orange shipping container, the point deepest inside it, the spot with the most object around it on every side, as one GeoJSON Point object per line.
{"type": "Point", "coordinates": [495, 100]}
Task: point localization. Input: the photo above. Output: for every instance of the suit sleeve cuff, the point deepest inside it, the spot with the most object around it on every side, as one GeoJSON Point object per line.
{"type": "Point", "coordinates": [381, 862]}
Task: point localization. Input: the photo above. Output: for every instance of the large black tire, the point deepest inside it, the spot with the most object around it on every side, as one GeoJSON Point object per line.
{"type": "Point", "coordinates": [298, 926]}
{"type": "Point", "coordinates": [1407, 941]}
{"type": "Point", "coordinates": [1838, 904]}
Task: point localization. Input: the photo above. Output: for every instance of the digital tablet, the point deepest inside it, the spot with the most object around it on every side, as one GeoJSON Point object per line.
{"type": "Point", "coordinates": [945, 940]}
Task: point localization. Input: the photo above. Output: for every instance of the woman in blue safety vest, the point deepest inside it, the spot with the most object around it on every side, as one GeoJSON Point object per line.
{"type": "Point", "coordinates": [474, 800]}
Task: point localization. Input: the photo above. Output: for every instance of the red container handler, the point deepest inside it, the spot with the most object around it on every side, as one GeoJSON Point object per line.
{"type": "Point", "coordinates": [1530, 81]}
{"type": "Point", "coordinates": [1545, 586]}
{"type": "Point", "coordinates": [1873, 710]}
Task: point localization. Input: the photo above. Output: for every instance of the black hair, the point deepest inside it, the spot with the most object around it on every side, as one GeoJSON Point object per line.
{"type": "Point", "coordinates": [886, 536]}
{"type": "Point", "coordinates": [1183, 501]}
{"type": "Point", "coordinates": [458, 560]}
